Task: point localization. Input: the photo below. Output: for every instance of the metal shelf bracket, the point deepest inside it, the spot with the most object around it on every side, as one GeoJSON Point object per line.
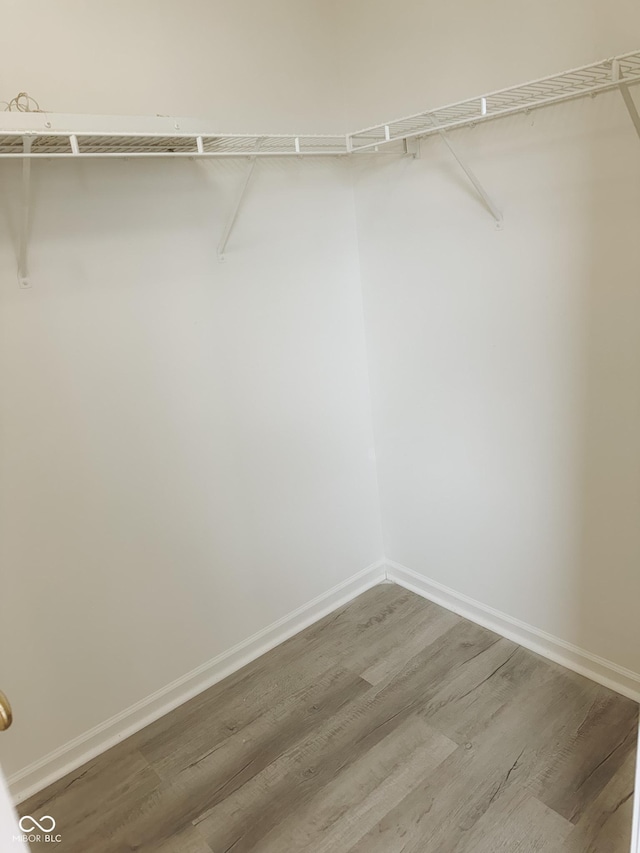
{"type": "Point", "coordinates": [484, 195]}
{"type": "Point", "coordinates": [23, 244]}
{"type": "Point", "coordinates": [30, 136]}
{"type": "Point", "coordinates": [412, 147]}
{"type": "Point", "coordinates": [629, 103]}
{"type": "Point", "coordinates": [231, 221]}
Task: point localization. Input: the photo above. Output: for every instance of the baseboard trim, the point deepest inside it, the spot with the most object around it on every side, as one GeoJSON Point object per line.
{"type": "Point", "coordinates": [598, 669]}
{"type": "Point", "coordinates": [92, 743]}
{"type": "Point", "coordinates": [87, 746]}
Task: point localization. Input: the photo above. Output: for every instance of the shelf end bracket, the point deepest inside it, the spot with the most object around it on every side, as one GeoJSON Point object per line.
{"type": "Point", "coordinates": [23, 272]}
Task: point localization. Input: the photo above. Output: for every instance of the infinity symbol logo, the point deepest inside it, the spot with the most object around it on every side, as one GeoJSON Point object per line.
{"type": "Point", "coordinates": [28, 823]}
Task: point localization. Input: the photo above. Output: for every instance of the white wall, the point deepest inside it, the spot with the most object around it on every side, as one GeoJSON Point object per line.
{"type": "Point", "coordinates": [185, 447]}
{"type": "Point", "coordinates": [404, 57]}
{"type": "Point", "coordinates": [506, 364]}
{"type": "Point", "coordinates": [267, 66]}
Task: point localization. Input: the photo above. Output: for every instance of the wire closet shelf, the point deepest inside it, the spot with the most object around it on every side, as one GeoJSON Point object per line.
{"type": "Point", "coordinates": [577, 83]}
{"type": "Point", "coordinates": [44, 135]}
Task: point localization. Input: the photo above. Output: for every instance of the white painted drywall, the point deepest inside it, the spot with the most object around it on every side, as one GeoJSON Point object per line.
{"type": "Point", "coordinates": [267, 66]}
{"type": "Point", "coordinates": [185, 446]}
{"type": "Point", "coordinates": [186, 449]}
{"type": "Point", "coordinates": [505, 365]}
{"type": "Point", "coordinates": [407, 56]}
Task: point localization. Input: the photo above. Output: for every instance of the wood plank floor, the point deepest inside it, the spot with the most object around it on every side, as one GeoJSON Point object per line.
{"type": "Point", "coordinates": [391, 726]}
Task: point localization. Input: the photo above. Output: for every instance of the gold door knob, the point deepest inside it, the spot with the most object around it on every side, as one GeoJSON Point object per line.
{"type": "Point", "coordinates": [6, 717]}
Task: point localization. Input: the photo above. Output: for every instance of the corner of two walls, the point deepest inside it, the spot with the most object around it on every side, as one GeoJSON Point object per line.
{"type": "Point", "coordinates": [503, 374]}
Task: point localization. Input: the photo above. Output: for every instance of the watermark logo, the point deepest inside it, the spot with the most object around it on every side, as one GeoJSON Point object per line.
{"type": "Point", "coordinates": [45, 824]}
{"type": "Point", "coordinates": [38, 830]}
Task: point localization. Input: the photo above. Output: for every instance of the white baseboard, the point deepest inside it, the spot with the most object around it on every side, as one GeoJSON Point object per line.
{"type": "Point", "coordinates": [598, 669]}
{"type": "Point", "coordinates": [87, 746]}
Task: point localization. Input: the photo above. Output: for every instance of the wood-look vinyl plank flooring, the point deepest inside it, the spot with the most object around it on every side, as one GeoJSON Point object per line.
{"type": "Point", "coordinates": [390, 726]}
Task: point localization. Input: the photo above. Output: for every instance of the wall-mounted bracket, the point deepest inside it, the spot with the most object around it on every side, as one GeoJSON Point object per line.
{"type": "Point", "coordinates": [629, 103]}
{"type": "Point", "coordinates": [631, 107]}
{"type": "Point", "coordinates": [222, 245]}
{"type": "Point", "coordinates": [484, 195]}
{"type": "Point", "coordinates": [412, 147]}
{"type": "Point", "coordinates": [23, 238]}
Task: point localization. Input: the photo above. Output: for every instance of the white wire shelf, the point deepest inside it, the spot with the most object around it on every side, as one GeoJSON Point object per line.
{"type": "Point", "coordinates": [35, 135]}
{"type": "Point", "coordinates": [44, 135]}
{"type": "Point", "coordinates": [159, 145]}
{"type": "Point", "coordinates": [576, 83]}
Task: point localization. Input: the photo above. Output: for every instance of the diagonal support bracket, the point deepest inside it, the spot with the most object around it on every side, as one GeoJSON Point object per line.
{"type": "Point", "coordinates": [222, 245]}
{"type": "Point", "coordinates": [23, 244]}
{"type": "Point", "coordinates": [630, 104]}
{"type": "Point", "coordinates": [484, 195]}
